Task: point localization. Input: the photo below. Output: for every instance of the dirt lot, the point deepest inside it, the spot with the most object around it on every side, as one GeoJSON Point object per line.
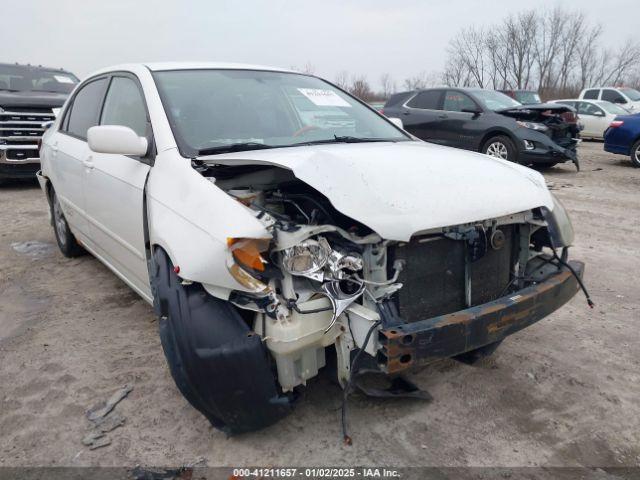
{"type": "Point", "coordinates": [563, 392]}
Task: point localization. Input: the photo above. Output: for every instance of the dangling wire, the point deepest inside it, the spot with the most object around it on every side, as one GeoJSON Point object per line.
{"type": "Point", "coordinates": [577, 277]}
{"type": "Point", "coordinates": [347, 389]}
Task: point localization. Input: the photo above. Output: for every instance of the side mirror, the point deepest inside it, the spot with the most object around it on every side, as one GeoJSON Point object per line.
{"type": "Point", "coordinates": [397, 122]}
{"type": "Point", "coordinates": [471, 110]}
{"type": "Point", "coordinates": [116, 139]}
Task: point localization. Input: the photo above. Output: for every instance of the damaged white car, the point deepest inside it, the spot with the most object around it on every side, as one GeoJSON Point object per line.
{"type": "Point", "coordinates": [278, 225]}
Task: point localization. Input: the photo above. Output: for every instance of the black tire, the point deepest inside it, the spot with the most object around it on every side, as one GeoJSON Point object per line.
{"type": "Point", "coordinates": [218, 364]}
{"type": "Point", "coordinates": [473, 356]}
{"type": "Point", "coordinates": [635, 154]}
{"type": "Point", "coordinates": [67, 242]}
{"type": "Point", "coordinates": [543, 165]}
{"type": "Point", "coordinates": [502, 147]}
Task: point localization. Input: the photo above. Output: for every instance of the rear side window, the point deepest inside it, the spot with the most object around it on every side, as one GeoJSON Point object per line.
{"type": "Point", "coordinates": [428, 100]}
{"type": "Point", "coordinates": [85, 109]}
{"type": "Point", "coordinates": [125, 106]}
{"type": "Point", "coordinates": [591, 94]}
{"type": "Point", "coordinates": [457, 102]}
{"type": "Point", "coordinates": [613, 96]}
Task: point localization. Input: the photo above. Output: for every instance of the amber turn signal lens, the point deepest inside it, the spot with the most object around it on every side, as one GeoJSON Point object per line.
{"type": "Point", "coordinates": [246, 251]}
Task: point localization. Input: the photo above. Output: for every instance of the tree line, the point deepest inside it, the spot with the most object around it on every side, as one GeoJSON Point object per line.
{"type": "Point", "coordinates": [555, 52]}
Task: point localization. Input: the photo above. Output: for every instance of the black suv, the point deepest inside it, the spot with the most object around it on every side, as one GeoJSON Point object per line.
{"type": "Point", "coordinates": [489, 122]}
{"type": "Point", "coordinates": [30, 97]}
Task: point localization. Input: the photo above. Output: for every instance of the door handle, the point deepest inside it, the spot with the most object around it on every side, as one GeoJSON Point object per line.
{"type": "Point", "coordinates": [406, 113]}
{"type": "Point", "coordinates": [88, 163]}
{"type": "Point", "coordinates": [442, 115]}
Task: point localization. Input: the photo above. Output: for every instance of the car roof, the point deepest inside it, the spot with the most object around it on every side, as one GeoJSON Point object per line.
{"type": "Point", "coordinates": [164, 66]}
{"type": "Point", "coordinates": [35, 67]}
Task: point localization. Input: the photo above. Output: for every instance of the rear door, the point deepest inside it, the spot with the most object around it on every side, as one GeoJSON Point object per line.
{"type": "Point", "coordinates": [421, 115]}
{"type": "Point", "coordinates": [460, 129]}
{"type": "Point", "coordinates": [69, 151]}
{"type": "Point", "coordinates": [115, 186]}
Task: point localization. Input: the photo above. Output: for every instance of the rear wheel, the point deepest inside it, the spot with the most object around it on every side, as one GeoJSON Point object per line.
{"type": "Point", "coordinates": [220, 366]}
{"type": "Point", "coordinates": [500, 147]}
{"type": "Point", "coordinates": [635, 154]}
{"type": "Point", "coordinates": [67, 242]}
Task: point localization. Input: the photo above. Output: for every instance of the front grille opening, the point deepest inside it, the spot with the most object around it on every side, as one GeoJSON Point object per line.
{"type": "Point", "coordinates": [434, 275]}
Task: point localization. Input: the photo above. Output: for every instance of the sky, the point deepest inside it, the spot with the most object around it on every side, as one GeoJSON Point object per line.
{"type": "Point", "coordinates": [365, 37]}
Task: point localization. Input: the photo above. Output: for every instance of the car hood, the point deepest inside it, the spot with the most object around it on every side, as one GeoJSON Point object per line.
{"type": "Point", "coordinates": [32, 99]}
{"type": "Point", "coordinates": [400, 189]}
{"type": "Point", "coordinates": [535, 112]}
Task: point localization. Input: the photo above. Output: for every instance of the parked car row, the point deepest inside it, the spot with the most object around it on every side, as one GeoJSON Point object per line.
{"type": "Point", "coordinates": [490, 122]}
{"type": "Point", "coordinates": [276, 223]}
{"type": "Point", "coordinates": [514, 125]}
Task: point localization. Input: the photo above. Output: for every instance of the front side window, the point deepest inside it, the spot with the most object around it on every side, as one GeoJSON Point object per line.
{"type": "Point", "coordinates": [613, 108]}
{"type": "Point", "coordinates": [495, 101]}
{"type": "Point", "coordinates": [85, 108]}
{"type": "Point", "coordinates": [212, 110]}
{"type": "Point", "coordinates": [458, 102]}
{"type": "Point", "coordinates": [125, 106]}
{"type": "Point", "coordinates": [19, 78]}
{"type": "Point", "coordinates": [428, 100]}
{"type": "Point", "coordinates": [591, 94]}
{"type": "Point", "coordinates": [612, 96]}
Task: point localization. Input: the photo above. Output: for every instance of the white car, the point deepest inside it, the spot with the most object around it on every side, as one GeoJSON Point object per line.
{"type": "Point", "coordinates": [594, 115]}
{"type": "Point", "coordinates": [626, 97]}
{"type": "Point", "coordinates": [267, 244]}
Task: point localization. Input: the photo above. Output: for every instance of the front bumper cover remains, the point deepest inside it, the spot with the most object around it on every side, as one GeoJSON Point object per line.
{"type": "Point", "coordinates": [418, 343]}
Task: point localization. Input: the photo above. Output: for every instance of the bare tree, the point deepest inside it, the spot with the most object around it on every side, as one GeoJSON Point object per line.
{"type": "Point", "coordinates": [342, 79]}
{"type": "Point", "coordinates": [359, 87]}
{"type": "Point", "coordinates": [388, 85]}
{"type": "Point", "coordinates": [556, 52]}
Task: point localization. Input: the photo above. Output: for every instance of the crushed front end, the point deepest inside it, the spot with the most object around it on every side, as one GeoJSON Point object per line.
{"type": "Point", "coordinates": [325, 279]}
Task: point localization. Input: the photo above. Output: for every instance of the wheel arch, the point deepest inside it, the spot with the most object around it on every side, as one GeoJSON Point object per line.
{"type": "Point", "coordinates": [496, 132]}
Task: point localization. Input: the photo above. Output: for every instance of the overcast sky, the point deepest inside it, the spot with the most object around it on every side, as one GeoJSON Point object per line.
{"type": "Point", "coordinates": [365, 36]}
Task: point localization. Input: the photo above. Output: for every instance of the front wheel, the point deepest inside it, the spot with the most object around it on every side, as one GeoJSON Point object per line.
{"type": "Point", "coordinates": [220, 366]}
{"type": "Point", "coordinates": [67, 242]}
{"type": "Point", "coordinates": [635, 154]}
{"type": "Point", "coordinates": [500, 147]}
{"type": "Point", "coordinates": [543, 165]}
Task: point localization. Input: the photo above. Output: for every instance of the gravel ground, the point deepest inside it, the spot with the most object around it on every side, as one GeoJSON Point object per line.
{"type": "Point", "coordinates": [563, 392]}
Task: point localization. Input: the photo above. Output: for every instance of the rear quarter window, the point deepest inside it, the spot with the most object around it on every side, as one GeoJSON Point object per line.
{"type": "Point", "coordinates": [85, 108]}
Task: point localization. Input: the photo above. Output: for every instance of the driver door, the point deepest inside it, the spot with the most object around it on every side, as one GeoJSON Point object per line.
{"type": "Point", "coordinates": [115, 187]}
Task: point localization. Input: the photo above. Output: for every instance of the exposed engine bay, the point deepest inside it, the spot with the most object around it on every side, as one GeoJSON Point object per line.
{"type": "Point", "coordinates": [326, 279]}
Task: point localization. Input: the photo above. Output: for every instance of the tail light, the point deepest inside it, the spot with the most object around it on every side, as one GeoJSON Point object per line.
{"type": "Point", "coordinates": [616, 123]}
{"type": "Point", "coordinates": [381, 111]}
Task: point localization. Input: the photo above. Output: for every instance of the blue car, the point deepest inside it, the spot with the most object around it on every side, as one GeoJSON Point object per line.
{"type": "Point", "coordinates": [623, 137]}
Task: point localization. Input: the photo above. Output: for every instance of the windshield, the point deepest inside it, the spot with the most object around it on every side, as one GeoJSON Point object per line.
{"type": "Point", "coordinates": [17, 78]}
{"type": "Point", "coordinates": [211, 109]}
{"type": "Point", "coordinates": [493, 100]}
{"type": "Point", "coordinates": [613, 108]}
{"type": "Point", "coordinates": [632, 93]}
{"type": "Point", "coordinates": [528, 98]}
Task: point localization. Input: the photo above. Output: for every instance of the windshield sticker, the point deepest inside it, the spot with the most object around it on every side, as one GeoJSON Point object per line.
{"type": "Point", "coordinates": [324, 98]}
{"type": "Point", "coordinates": [63, 79]}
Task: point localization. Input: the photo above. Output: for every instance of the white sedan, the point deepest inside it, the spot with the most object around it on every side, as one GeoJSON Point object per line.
{"type": "Point", "coordinates": [595, 115]}
{"type": "Point", "coordinates": [269, 238]}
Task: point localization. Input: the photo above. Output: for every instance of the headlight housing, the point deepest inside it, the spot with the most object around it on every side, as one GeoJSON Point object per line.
{"type": "Point", "coordinates": [538, 127]}
{"type": "Point", "coordinates": [307, 258]}
{"type": "Point", "coordinates": [558, 224]}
